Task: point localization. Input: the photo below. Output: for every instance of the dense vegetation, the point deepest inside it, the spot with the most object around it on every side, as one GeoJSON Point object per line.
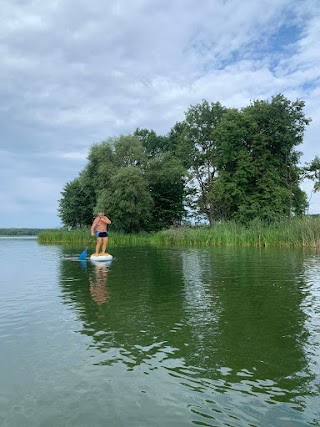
{"type": "Point", "coordinates": [217, 165]}
{"type": "Point", "coordinates": [295, 232]}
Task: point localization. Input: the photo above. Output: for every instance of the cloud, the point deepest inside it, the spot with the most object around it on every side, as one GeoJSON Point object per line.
{"type": "Point", "coordinates": [75, 73]}
{"type": "Point", "coordinates": [19, 187]}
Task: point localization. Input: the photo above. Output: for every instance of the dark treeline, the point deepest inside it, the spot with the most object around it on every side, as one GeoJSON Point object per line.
{"type": "Point", "coordinates": [217, 164]}
{"type": "Point", "coordinates": [20, 231]}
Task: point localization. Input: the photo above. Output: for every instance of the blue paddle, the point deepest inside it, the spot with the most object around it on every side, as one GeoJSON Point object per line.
{"type": "Point", "coordinates": [83, 254]}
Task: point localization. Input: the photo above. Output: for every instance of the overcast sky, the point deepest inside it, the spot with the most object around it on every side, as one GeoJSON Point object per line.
{"type": "Point", "coordinates": [75, 72]}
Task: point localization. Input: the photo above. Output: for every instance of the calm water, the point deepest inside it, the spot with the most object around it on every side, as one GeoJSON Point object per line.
{"type": "Point", "coordinates": [159, 337]}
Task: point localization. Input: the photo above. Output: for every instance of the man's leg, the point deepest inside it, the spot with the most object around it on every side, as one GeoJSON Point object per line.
{"type": "Point", "coordinates": [104, 246]}
{"type": "Point", "coordinates": [99, 240]}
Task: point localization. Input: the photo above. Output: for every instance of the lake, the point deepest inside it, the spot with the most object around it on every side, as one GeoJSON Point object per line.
{"type": "Point", "coordinates": [159, 337]}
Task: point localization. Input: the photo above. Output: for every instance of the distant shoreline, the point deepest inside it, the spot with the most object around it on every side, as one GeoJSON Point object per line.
{"type": "Point", "coordinates": [16, 232]}
{"type": "Point", "coordinates": [30, 237]}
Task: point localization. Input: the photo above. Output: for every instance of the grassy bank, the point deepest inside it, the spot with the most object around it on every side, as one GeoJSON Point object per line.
{"type": "Point", "coordinates": [297, 232]}
{"type": "Point", "coordinates": [83, 235]}
{"type": "Point", "coordinates": [301, 232]}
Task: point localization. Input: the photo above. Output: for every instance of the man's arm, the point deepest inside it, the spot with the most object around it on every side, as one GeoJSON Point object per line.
{"type": "Point", "coordinates": [105, 219]}
{"type": "Point", "coordinates": [93, 225]}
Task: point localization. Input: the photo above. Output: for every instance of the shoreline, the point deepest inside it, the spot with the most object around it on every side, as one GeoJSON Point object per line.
{"type": "Point", "coordinates": [295, 232]}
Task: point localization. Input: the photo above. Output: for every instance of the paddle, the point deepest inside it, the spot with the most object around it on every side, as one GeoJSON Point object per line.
{"type": "Point", "coordinates": [83, 254]}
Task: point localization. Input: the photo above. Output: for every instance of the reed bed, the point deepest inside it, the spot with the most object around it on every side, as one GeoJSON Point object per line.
{"type": "Point", "coordinates": [82, 236]}
{"type": "Point", "coordinates": [295, 232]}
{"type": "Point", "coordinates": [62, 235]}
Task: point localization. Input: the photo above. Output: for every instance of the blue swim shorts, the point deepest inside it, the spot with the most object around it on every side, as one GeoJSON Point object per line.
{"type": "Point", "coordinates": [102, 234]}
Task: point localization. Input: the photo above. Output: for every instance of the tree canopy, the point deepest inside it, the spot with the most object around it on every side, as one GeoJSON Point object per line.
{"type": "Point", "coordinates": [223, 163]}
{"type": "Point", "coordinates": [139, 191]}
{"type": "Point", "coordinates": [257, 161]}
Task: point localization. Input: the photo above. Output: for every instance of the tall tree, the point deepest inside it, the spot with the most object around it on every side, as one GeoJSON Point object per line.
{"type": "Point", "coordinates": [100, 167]}
{"type": "Point", "coordinates": [258, 165]}
{"type": "Point", "coordinates": [100, 164]}
{"type": "Point", "coordinates": [127, 199]}
{"type": "Point", "coordinates": [166, 176]}
{"type": "Point", "coordinates": [197, 147]}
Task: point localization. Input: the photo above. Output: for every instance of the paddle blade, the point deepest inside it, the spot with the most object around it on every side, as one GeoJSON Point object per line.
{"type": "Point", "coordinates": [83, 255]}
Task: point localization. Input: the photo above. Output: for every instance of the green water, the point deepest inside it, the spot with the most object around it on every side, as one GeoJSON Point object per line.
{"type": "Point", "coordinates": [159, 337]}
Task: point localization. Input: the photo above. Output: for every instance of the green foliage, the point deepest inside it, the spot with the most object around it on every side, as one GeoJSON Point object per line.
{"type": "Point", "coordinates": [166, 177]}
{"type": "Point", "coordinates": [312, 171]}
{"type": "Point", "coordinates": [129, 151]}
{"type": "Point", "coordinates": [258, 173]}
{"type": "Point", "coordinates": [197, 147]}
{"type": "Point", "coordinates": [153, 143]}
{"type": "Point", "coordinates": [99, 167]}
{"type": "Point", "coordinates": [62, 235]}
{"type": "Point", "coordinates": [75, 206]}
{"type": "Point", "coordinates": [223, 164]}
{"type": "Point", "coordinates": [294, 232]}
{"type": "Point", "coordinates": [20, 231]}
{"type": "Point", "coordinates": [96, 175]}
{"type": "Point", "coordinates": [128, 199]}
{"type": "Point", "coordinates": [178, 144]}
{"type": "Point", "coordinates": [137, 190]}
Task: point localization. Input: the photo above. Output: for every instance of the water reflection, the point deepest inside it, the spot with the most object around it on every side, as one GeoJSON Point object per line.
{"type": "Point", "coordinates": [98, 279]}
{"type": "Point", "coordinates": [252, 323]}
{"type": "Point", "coordinates": [145, 308]}
{"type": "Point", "coordinates": [222, 322]}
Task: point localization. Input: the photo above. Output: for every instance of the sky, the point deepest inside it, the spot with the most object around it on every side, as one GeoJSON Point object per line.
{"type": "Point", "coordinates": [75, 72]}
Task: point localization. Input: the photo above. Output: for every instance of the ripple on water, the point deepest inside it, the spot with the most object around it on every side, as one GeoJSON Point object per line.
{"type": "Point", "coordinates": [175, 343]}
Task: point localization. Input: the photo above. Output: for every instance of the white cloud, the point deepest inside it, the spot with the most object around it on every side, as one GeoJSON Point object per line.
{"type": "Point", "coordinates": [74, 73]}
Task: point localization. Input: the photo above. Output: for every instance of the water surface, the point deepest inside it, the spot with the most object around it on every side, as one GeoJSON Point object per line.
{"type": "Point", "coordinates": [159, 337]}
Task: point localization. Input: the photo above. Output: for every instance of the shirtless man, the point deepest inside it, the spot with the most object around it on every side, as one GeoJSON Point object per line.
{"type": "Point", "coordinates": [99, 226]}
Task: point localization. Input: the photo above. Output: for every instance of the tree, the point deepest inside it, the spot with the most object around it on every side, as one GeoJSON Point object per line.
{"type": "Point", "coordinates": [97, 173]}
{"type": "Point", "coordinates": [140, 192]}
{"type": "Point", "coordinates": [75, 206]}
{"type": "Point", "coordinates": [312, 171]}
{"type": "Point", "coordinates": [197, 147]}
{"type": "Point", "coordinates": [128, 199]}
{"type": "Point", "coordinates": [258, 166]}
{"type": "Point", "coordinates": [166, 177]}
{"type": "Point", "coordinates": [129, 151]}
{"type": "Point", "coordinates": [225, 163]}
{"type": "Point", "coordinates": [152, 142]}
{"type": "Point", "coordinates": [114, 176]}
{"type": "Point", "coordinates": [100, 165]}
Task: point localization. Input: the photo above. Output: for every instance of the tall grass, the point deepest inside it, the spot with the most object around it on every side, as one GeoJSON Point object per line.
{"type": "Point", "coordinates": [82, 236]}
{"type": "Point", "coordinates": [61, 235]}
{"type": "Point", "coordinates": [295, 232]}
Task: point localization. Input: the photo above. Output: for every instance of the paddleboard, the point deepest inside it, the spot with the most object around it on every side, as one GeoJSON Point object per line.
{"type": "Point", "coordinates": [100, 257]}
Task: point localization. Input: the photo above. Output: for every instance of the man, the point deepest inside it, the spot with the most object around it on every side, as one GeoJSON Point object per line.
{"type": "Point", "coordinates": [99, 226]}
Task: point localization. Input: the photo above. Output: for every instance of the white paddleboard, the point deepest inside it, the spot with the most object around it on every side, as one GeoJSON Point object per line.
{"type": "Point", "coordinates": [99, 257]}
